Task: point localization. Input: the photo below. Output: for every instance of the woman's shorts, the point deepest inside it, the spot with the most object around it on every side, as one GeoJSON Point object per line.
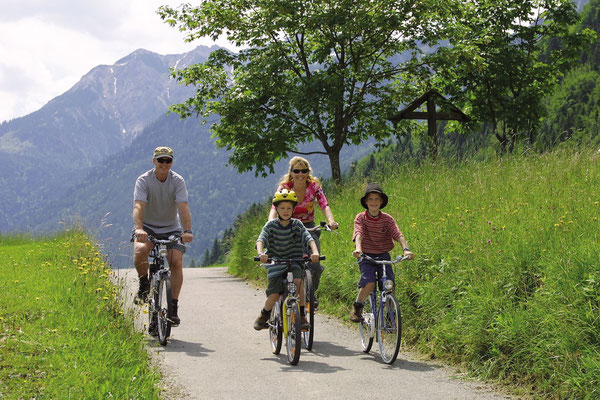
{"type": "Point", "coordinates": [276, 282]}
{"type": "Point", "coordinates": [371, 272]}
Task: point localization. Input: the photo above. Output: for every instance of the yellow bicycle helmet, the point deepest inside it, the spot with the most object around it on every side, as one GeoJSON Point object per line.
{"type": "Point", "coordinates": [285, 195]}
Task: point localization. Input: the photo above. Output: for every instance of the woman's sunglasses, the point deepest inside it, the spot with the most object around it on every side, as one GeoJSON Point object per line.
{"type": "Point", "coordinates": [165, 160]}
{"type": "Point", "coordinates": [297, 171]}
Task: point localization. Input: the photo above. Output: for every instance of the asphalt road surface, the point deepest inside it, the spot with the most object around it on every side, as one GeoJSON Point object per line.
{"type": "Point", "coordinates": [216, 354]}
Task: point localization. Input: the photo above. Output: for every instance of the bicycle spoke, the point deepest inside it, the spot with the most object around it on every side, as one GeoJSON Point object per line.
{"type": "Point", "coordinates": [390, 329]}
{"type": "Point", "coordinates": [293, 342]}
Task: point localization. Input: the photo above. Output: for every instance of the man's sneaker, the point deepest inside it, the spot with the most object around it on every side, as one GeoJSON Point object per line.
{"type": "Point", "coordinates": [316, 304]}
{"type": "Point", "coordinates": [261, 322]}
{"type": "Point", "coordinates": [304, 324]}
{"type": "Point", "coordinates": [174, 318]}
{"type": "Point", "coordinates": [356, 314]}
{"type": "Point", "coordinates": [143, 291]}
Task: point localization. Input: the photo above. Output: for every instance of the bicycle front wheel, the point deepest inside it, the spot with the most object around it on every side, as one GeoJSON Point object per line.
{"type": "Point", "coordinates": [366, 328]}
{"type": "Point", "coordinates": [294, 334]}
{"type": "Point", "coordinates": [309, 307]}
{"type": "Point", "coordinates": [390, 329]}
{"type": "Point", "coordinates": [275, 328]}
{"type": "Point", "coordinates": [152, 309]}
{"type": "Point", "coordinates": [163, 306]}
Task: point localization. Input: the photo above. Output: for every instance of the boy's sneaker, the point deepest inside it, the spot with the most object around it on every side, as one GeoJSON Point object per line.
{"type": "Point", "coordinates": [261, 322]}
{"type": "Point", "coordinates": [174, 318]}
{"type": "Point", "coordinates": [304, 324]}
{"type": "Point", "coordinates": [143, 291]}
{"type": "Point", "coordinates": [356, 314]}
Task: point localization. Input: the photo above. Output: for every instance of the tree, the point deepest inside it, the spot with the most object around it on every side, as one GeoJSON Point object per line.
{"type": "Point", "coordinates": [215, 252]}
{"type": "Point", "coordinates": [311, 70]}
{"type": "Point", "coordinates": [206, 258]}
{"type": "Point", "coordinates": [495, 65]}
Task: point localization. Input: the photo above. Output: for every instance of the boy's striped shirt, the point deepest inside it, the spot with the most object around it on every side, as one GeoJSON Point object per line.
{"type": "Point", "coordinates": [378, 234]}
{"type": "Point", "coordinates": [285, 241]}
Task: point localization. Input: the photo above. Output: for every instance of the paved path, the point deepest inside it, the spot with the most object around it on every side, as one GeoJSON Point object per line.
{"type": "Point", "coordinates": [215, 354]}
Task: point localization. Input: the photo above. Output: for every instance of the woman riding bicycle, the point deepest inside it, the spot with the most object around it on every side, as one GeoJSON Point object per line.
{"type": "Point", "coordinates": [308, 189]}
{"type": "Point", "coordinates": [283, 237]}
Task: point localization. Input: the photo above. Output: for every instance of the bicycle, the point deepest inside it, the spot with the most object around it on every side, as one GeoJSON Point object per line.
{"type": "Point", "coordinates": [159, 297]}
{"type": "Point", "coordinates": [383, 318]}
{"type": "Point", "coordinates": [309, 293]}
{"type": "Point", "coordinates": [285, 319]}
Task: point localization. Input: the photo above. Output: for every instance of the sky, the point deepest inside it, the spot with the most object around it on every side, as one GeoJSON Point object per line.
{"type": "Point", "coordinates": [46, 46]}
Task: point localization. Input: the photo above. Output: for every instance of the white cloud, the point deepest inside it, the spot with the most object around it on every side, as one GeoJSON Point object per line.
{"type": "Point", "coordinates": [47, 46]}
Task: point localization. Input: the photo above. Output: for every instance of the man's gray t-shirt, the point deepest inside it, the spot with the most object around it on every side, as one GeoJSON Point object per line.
{"type": "Point", "coordinates": [161, 198]}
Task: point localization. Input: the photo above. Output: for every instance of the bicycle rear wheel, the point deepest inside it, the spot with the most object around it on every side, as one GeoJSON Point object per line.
{"type": "Point", "coordinates": [294, 335]}
{"type": "Point", "coordinates": [309, 307]}
{"type": "Point", "coordinates": [163, 307]}
{"type": "Point", "coordinates": [275, 328]}
{"type": "Point", "coordinates": [366, 327]}
{"type": "Point", "coordinates": [390, 329]}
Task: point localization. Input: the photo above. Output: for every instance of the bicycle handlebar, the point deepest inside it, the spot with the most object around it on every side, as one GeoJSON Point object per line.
{"type": "Point", "coordinates": [322, 225]}
{"type": "Point", "coordinates": [384, 262]}
{"type": "Point", "coordinates": [171, 239]}
{"type": "Point", "coordinates": [287, 260]}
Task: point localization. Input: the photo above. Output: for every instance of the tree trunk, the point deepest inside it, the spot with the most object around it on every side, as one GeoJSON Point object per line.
{"type": "Point", "coordinates": [334, 161]}
{"type": "Point", "coordinates": [501, 138]}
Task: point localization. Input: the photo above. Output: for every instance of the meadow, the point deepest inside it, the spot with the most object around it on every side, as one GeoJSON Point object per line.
{"type": "Point", "coordinates": [506, 280]}
{"type": "Point", "coordinates": [63, 331]}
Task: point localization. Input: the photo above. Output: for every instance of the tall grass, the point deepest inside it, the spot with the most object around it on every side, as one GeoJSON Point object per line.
{"type": "Point", "coordinates": [63, 333]}
{"type": "Point", "coordinates": [507, 279]}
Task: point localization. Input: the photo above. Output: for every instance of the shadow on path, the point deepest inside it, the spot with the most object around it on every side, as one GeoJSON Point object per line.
{"type": "Point", "coordinates": [193, 349]}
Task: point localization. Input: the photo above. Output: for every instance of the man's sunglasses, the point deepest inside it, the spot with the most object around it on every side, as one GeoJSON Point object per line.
{"type": "Point", "coordinates": [297, 171]}
{"type": "Point", "coordinates": [165, 160]}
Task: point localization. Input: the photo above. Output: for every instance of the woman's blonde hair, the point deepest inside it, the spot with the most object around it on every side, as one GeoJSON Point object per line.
{"type": "Point", "coordinates": [287, 177]}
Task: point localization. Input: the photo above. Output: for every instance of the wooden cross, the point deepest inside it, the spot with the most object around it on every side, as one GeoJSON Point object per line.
{"type": "Point", "coordinates": [451, 114]}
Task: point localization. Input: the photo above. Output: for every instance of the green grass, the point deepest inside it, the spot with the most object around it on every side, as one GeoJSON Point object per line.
{"type": "Point", "coordinates": [506, 282]}
{"type": "Point", "coordinates": [63, 333]}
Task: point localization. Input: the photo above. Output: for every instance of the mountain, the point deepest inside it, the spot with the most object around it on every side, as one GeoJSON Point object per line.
{"type": "Point", "coordinates": [77, 158]}
{"type": "Point", "coordinates": [103, 200]}
{"type": "Point", "coordinates": [50, 149]}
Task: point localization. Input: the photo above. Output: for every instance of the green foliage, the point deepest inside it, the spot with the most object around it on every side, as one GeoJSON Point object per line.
{"type": "Point", "coordinates": [573, 112]}
{"type": "Point", "coordinates": [63, 331]}
{"type": "Point", "coordinates": [309, 71]}
{"type": "Point", "coordinates": [506, 279]}
{"type": "Point", "coordinates": [494, 66]}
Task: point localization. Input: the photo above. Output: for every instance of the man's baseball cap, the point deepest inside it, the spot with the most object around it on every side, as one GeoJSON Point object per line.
{"type": "Point", "coordinates": [162, 151]}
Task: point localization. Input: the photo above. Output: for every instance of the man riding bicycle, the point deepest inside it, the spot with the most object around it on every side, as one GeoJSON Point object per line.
{"type": "Point", "coordinates": [160, 202]}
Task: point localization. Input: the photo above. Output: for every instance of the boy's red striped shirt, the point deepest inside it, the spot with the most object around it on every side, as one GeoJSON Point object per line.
{"type": "Point", "coordinates": [378, 233]}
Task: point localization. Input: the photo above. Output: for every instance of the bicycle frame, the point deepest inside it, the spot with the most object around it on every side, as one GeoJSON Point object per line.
{"type": "Point", "coordinates": [291, 293]}
{"type": "Point", "coordinates": [393, 324]}
{"type": "Point", "coordinates": [286, 310]}
{"type": "Point", "coordinates": [160, 274]}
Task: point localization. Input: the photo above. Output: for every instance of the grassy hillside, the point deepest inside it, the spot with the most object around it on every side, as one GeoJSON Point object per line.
{"type": "Point", "coordinates": [63, 333]}
{"type": "Point", "coordinates": [506, 281]}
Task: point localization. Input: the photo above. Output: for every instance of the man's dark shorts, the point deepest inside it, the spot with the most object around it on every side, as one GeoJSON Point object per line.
{"type": "Point", "coordinates": [370, 272]}
{"type": "Point", "coordinates": [163, 236]}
